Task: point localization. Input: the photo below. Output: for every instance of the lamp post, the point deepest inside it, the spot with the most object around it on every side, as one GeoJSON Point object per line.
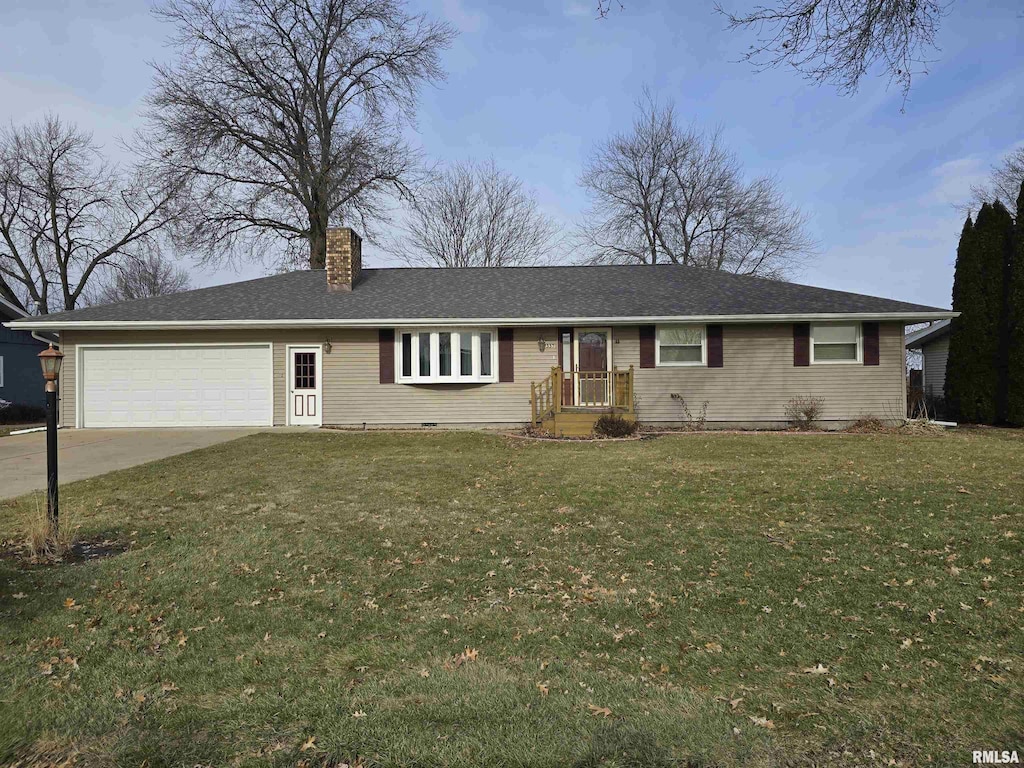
{"type": "Point", "coordinates": [50, 359]}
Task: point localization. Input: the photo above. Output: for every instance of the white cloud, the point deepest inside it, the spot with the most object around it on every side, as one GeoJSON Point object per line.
{"type": "Point", "coordinates": [954, 179]}
{"type": "Point", "coordinates": [579, 8]}
{"type": "Point", "coordinates": [465, 20]}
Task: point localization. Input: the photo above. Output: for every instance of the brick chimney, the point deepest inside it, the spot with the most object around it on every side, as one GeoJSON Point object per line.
{"type": "Point", "coordinates": [344, 258]}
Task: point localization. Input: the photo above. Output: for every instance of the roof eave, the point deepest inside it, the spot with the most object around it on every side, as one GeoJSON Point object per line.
{"type": "Point", "coordinates": [38, 324]}
{"type": "Point", "coordinates": [927, 335]}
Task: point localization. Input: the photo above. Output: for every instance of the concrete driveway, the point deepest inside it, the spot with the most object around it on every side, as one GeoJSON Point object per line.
{"type": "Point", "coordinates": [83, 453]}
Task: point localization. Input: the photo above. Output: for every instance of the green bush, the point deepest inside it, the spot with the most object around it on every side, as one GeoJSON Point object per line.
{"type": "Point", "coordinates": [611, 425]}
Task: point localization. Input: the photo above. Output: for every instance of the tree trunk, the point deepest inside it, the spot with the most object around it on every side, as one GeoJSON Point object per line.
{"type": "Point", "coordinates": [318, 240]}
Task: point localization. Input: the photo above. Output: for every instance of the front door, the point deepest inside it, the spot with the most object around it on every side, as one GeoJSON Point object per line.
{"type": "Point", "coordinates": [304, 386]}
{"type": "Point", "coordinates": [593, 364]}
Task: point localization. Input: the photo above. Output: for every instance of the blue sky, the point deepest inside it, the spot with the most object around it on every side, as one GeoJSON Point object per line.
{"type": "Point", "coordinates": [536, 83]}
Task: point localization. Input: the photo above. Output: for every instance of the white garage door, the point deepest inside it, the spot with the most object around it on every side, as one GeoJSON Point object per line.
{"type": "Point", "coordinates": [177, 386]}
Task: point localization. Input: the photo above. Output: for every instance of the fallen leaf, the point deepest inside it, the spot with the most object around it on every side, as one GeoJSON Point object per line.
{"type": "Point", "coordinates": [763, 722]}
{"type": "Point", "coordinates": [19, 596]}
{"type": "Point", "coordinates": [308, 744]}
{"type": "Point", "coordinates": [815, 670]}
{"type": "Point", "coordinates": [596, 710]}
{"type": "Point", "coordinates": [733, 703]}
{"type": "Point", "coordinates": [168, 687]}
{"type": "Point", "coordinates": [358, 713]}
{"type": "Point", "coordinates": [543, 688]}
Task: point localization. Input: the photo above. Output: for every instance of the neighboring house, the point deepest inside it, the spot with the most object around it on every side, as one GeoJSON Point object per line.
{"type": "Point", "coordinates": [481, 346]}
{"type": "Point", "coordinates": [933, 342]}
{"type": "Point", "coordinates": [21, 379]}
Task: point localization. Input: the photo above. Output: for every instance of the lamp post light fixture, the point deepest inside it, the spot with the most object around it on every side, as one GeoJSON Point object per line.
{"type": "Point", "coordinates": [50, 359]}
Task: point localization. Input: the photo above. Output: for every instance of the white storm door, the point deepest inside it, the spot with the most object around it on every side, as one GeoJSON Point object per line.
{"type": "Point", "coordinates": [304, 386]}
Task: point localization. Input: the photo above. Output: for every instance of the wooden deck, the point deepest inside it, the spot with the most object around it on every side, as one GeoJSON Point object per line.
{"type": "Point", "coordinates": [569, 403]}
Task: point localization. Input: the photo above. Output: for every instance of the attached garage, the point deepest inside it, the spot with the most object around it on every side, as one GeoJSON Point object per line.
{"type": "Point", "coordinates": [186, 385]}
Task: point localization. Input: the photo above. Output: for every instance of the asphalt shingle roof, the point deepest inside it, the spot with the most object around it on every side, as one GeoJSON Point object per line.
{"type": "Point", "coordinates": [495, 293]}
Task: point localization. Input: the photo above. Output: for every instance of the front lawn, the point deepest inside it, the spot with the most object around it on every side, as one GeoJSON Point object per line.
{"type": "Point", "coordinates": [462, 599]}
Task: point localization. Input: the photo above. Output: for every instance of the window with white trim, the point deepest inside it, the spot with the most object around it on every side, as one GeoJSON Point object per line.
{"type": "Point", "coordinates": [835, 343]}
{"type": "Point", "coordinates": [449, 356]}
{"type": "Point", "coordinates": [679, 345]}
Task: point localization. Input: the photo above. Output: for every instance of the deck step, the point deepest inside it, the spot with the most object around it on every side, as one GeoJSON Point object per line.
{"type": "Point", "coordinates": [578, 423]}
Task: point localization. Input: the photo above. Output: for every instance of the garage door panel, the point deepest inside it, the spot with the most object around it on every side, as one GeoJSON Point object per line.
{"type": "Point", "coordinates": [215, 385]}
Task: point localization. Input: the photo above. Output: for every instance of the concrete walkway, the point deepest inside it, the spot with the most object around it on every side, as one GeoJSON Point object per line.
{"type": "Point", "coordinates": [83, 453]}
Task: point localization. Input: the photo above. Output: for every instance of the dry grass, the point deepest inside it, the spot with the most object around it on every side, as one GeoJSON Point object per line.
{"type": "Point", "coordinates": [872, 425]}
{"type": "Point", "coordinates": [712, 600]}
{"type": "Point", "coordinates": [40, 542]}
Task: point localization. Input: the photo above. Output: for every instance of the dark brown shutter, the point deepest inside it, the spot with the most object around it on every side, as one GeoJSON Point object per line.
{"type": "Point", "coordinates": [801, 343]}
{"type": "Point", "coordinates": [870, 331]}
{"type": "Point", "coordinates": [386, 338]}
{"type": "Point", "coordinates": [715, 346]}
{"type": "Point", "coordinates": [647, 346]}
{"type": "Point", "coordinates": [506, 364]}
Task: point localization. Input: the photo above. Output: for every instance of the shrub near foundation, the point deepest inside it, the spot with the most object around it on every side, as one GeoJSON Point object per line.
{"type": "Point", "coordinates": [611, 425]}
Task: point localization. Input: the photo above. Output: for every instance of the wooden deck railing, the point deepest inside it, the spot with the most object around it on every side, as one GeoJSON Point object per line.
{"type": "Point", "coordinates": [545, 396]}
{"type": "Point", "coordinates": [612, 390]}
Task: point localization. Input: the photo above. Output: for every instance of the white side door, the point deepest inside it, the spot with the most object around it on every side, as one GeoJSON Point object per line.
{"type": "Point", "coordinates": [305, 386]}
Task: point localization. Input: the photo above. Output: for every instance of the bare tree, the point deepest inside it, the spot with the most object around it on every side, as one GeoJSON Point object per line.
{"type": "Point", "coordinates": [65, 213]}
{"type": "Point", "coordinates": [665, 193]}
{"type": "Point", "coordinates": [838, 41]}
{"type": "Point", "coordinates": [142, 278]}
{"type": "Point", "coordinates": [604, 7]}
{"type": "Point", "coordinates": [473, 215]}
{"type": "Point", "coordinates": [289, 115]}
{"type": "Point", "coordinates": [1003, 185]}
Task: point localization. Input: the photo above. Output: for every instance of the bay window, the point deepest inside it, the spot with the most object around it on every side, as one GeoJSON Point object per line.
{"type": "Point", "coordinates": [485, 353]}
{"type": "Point", "coordinates": [462, 356]}
{"type": "Point", "coordinates": [424, 370]}
{"type": "Point", "coordinates": [406, 367]}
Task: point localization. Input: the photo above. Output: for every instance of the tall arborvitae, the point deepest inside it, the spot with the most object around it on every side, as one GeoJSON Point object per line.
{"type": "Point", "coordinates": [1015, 314]}
{"type": "Point", "coordinates": [996, 242]}
{"type": "Point", "coordinates": [962, 365]}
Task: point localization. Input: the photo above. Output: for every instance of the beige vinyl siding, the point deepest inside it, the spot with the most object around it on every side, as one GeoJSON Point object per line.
{"type": "Point", "coordinates": [934, 357]}
{"type": "Point", "coordinates": [352, 393]}
{"type": "Point", "coordinates": [280, 339]}
{"type": "Point", "coordinates": [758, 378]}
